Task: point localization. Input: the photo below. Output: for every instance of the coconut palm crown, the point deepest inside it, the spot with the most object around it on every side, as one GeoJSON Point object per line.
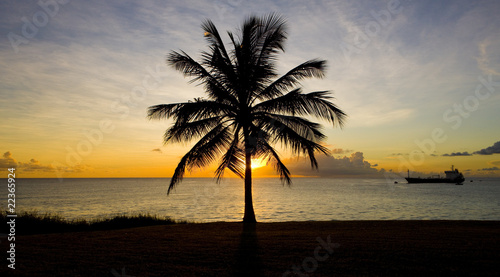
{"type": "Point", "coordinates": [248, 108]}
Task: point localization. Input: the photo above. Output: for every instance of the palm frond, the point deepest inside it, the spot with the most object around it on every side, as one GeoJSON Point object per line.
{"type": "Point", "coordinates": [308, 69]}
{"type": "Point", "coordinates": [315, 104]}
{"type": "Point", "coordinates": [185, 64]}
{"type": "Point", "coordinates": [218, 59]}
{"type": "Point", "coordinates": [233, 159]}
{"type": "Point", "coordinates": [163, 111]}
{"type": "Point", "coordinates": [253, 52]}
{"type": "Point", "coordinates": [222, 78]}
{"type": "Point", "coordinates": [213, 37]}
{"type": "Point", "coordinates": [187, 131]}
{"type": "Point", "coordinates": [197, 109]}
{"type": "Point", "coordinates": [318, 104]}
{"type": "Point", "coordinates": [293, 140]}
{"type": "Point", "coordinates": [214, 86]}
{"type": "Point", "coordinates": [271, 154]}
{"type": "Point", "coordinates": [202, 153]}
{"type": "Point", "coordinates": [272, 35]}
{"type": "Point", "coordinates": [305, 128]}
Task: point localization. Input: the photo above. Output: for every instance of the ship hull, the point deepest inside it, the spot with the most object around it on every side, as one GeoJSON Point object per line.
{"type": "Point", "coordinates": [433, 180]}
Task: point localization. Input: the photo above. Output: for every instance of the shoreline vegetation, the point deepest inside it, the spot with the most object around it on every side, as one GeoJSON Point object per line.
{"type": "Point", "coordinates": [35, 222]}
{"type": "Point", "coordinates": [150, 245]}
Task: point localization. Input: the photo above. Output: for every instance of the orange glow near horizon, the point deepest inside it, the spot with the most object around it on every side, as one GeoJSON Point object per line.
{"type": "Point", "coordinates": [257, 163]}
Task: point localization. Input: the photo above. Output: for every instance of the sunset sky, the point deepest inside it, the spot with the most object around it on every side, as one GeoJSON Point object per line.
{"type": "Point", "coordinates": [420, 81]}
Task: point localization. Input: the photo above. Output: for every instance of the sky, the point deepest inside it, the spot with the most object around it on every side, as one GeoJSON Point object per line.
{"type": "Point", "coordinates": [419, 80]}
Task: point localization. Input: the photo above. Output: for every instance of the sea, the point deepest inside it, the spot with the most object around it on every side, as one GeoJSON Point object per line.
{"type": "Point", "coordinates": [307, 199]}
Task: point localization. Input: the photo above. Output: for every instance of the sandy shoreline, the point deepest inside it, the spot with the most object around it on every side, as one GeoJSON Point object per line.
{"type": "Point", "coordinates": [336, 248]}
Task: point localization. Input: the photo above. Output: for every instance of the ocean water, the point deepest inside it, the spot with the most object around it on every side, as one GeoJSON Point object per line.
{"type": "Point", "coordinates": [203, 200]}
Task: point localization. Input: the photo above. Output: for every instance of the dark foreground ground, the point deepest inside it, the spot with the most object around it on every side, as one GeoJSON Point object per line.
{"type": "Point", "coordinates": [343, 248]}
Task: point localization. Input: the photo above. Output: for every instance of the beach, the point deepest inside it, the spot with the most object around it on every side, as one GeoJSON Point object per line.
{"type": "Point", "coordinates": [315, 248]}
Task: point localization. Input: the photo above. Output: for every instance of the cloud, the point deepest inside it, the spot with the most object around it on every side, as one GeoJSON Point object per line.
{"type": "Point", "coordinates": [495, 168]}
{"type": "Point", "coordinates": [353, 166]}
{"type": "Point", "coordinates": [379, 116]}
{"type": "Point", "coordinates": [76, 169]}
{"type": "Point", "coordinates": [454, 154]}
{"type": "Point", "coordinates": [340, 151]}
{"type": "Point", "coordinates": [7, 161]}
{"type": "Point", "coordinates": [34, 165]}
{"type": "Point", "coordinates": [487, 59]}
{"type": "Point", "coordinates": [60, 168]}
{"type": "Point", "coordinates": [495, 149]}
{"type": "Point", "coordinates": [157, 150]}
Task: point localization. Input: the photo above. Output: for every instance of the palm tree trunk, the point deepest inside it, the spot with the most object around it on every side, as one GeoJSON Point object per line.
{"type": "Point", "coordinates": [249, 216]}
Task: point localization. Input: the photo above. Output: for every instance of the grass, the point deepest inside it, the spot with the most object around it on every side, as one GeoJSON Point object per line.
{"type": "Point", "coordinates": [34, 222]}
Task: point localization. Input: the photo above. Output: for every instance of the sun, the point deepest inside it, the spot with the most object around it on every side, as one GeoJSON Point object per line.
{"type": "Point", "coordinates": [256, 163]}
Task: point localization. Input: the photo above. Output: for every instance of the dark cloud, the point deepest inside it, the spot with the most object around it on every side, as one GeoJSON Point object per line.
{"type": "Point", "coordinates": [490, 169]}
{"type": "Point", "coordinates": [157, 150]}
{"type": "Point", "coordinates": [495, 149]}
{"type": "Point", "coordinates": [454, 154]}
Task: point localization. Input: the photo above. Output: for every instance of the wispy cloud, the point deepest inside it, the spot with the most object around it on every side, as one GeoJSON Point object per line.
{"type": "Point", "coordinates": [489, 60]}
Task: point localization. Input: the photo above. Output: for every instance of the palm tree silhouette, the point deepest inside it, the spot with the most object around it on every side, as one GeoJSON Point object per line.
{"type": "Point", "coordinates": [248, 108]}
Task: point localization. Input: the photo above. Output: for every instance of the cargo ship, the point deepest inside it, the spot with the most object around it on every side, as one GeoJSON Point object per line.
{"type": "Point", "coordinates": [452, 176]}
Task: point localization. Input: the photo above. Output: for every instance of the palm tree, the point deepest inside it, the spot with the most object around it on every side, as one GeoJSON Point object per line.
{"type": "Point", "coordinates": [248, 108]}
